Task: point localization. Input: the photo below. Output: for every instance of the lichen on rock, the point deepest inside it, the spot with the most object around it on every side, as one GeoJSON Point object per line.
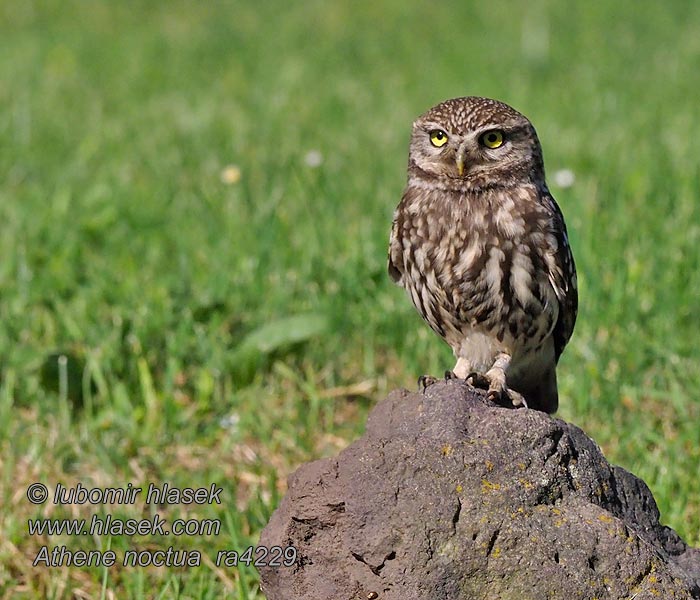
{"type": "Point", "coordinates": [450, 497]}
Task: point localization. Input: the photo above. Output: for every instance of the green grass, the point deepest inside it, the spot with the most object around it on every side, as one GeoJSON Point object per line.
{"type": "Point", "coordinates": [226, 332]}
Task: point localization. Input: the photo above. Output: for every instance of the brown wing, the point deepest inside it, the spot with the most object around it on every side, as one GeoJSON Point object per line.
{"type": "Point", "coordinates": [562, 276]}
{"type": "Point", "coordinates": [395, 261]}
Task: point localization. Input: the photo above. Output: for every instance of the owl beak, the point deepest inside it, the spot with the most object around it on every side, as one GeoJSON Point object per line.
{"type": "Point", "coordinates": [460, 164]}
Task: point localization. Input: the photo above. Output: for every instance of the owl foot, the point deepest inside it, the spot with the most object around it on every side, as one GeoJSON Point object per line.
{"type": "Point", "coordinates": [450, 375]}
{"type": "Point", "coordinates": [494, 382]}
{"type": "Point", "coordinates": [504, 395]}
{"type": "Point", "coordinates": [425, 381]}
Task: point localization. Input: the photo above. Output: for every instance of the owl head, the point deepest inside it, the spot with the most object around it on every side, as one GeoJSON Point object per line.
{"type": "Point", "coordinates": [474, 143]}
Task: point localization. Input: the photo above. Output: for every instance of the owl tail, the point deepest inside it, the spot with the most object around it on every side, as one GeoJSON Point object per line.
{"type": "Point", "coordinates": [543, 394]}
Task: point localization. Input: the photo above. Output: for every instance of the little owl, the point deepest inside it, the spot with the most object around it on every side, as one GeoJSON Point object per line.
{"type": "Point", "coordinates": [480, 246]}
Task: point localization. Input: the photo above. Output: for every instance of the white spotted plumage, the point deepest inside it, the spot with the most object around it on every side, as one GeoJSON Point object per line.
{"type": "Point", "coordinates": [481, 248]}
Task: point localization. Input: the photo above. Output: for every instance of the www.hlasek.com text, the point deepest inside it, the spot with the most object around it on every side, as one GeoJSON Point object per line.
{"type": "Point", "coordinates": [108, 525]}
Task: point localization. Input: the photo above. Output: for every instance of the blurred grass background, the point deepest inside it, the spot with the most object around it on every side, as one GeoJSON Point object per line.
{"type": "Point", "coordinates": [195, 202]}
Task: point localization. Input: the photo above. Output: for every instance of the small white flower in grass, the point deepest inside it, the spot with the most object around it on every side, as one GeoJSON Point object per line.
{"type": "Point", "coordinates": [231, 174]}
{"type": "Point", "coordinates": [564, 178]}
{"type": "Point", "coordinates": [230, 422]}
{"type": "Point", "coordinates": [313, 159]}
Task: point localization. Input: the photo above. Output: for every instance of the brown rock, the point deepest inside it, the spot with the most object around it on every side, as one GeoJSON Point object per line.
{"type": "Point", "coordinates": [448, 497]}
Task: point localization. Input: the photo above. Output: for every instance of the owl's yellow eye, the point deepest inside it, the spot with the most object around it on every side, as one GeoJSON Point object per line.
{"type": "Point", "coordinates": [492, 139]}
{"type": "Point", "coordinates": [438, 138]}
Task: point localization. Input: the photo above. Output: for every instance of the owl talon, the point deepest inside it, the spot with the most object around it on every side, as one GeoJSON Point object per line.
{"type": "Point", "coordinates": [516, 400]}
{"type": "Point", "coordinates": [425, 381]}
{"type": "Point", "coordinates": [494, 396]}
{"type": "Point", "coordinates": [477, 380]}
{"type": "Point", "coordinates": [503, 395]}
{"type": "Point", "coordinates": [450, 375]}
